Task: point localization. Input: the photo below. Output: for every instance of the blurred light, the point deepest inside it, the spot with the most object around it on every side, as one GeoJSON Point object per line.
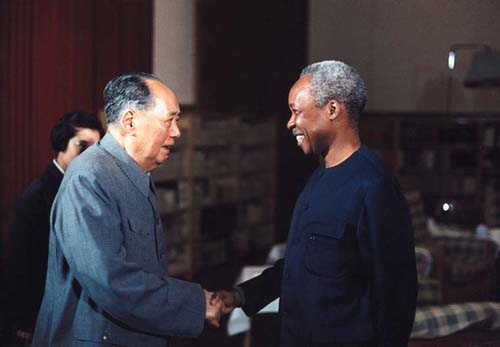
{"type": "Point", "coordinates": [451, 60]}
{"type": "Point", "coordinates": [448, 206]}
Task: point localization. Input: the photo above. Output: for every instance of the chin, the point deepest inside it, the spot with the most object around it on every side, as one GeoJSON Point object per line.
{"type": "Point", "coordinates": [306, 151]}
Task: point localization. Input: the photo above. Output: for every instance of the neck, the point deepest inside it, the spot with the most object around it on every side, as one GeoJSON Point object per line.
{"type": "Point", "coordinates": [128, 146]}
{"type": "Point", "coordinates": [342, 148]}
{"type": "Point", "coordinates": [60, 161]}
{"type": "Point", "coordinates": [117, 135]}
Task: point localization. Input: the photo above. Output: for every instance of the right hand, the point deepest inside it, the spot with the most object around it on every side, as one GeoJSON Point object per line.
{"type": "Point", "coordinates": [230, 298]}
{"type": "Point", "coordinates": [214, 308]}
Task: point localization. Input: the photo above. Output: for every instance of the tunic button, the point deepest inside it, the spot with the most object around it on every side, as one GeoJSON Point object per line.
{"type": "Point", "coordinates": [104, 337]}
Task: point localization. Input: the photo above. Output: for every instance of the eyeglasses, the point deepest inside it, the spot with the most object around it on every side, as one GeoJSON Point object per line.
{"type": "Point", "coordinates": [82, 144]}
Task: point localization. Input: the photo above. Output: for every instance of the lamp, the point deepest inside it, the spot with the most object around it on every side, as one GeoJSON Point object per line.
{"type": "Point", "coordinates": [484, 70]}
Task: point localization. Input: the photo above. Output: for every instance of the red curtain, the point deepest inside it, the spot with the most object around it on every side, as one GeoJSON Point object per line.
{"type": "Point", "coordinates": [55, 57]}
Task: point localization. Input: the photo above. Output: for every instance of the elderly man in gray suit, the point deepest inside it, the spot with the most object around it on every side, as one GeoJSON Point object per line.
{"type": "Point", "coordinates": [107, 280]}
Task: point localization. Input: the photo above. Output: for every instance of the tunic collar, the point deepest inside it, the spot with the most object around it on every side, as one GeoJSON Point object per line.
{"type": "Point", "coordinates": [138, 177]}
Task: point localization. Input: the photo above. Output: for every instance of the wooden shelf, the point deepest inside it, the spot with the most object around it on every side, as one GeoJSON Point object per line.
{"type": "Point", "coordinates": [445, 157]}
{"type": "Point", "coordinates": [216, 191]}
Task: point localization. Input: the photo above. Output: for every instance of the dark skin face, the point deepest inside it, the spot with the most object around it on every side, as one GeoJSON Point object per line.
{"type": "Point", "coordinates": [321, 130]}
{"type": "Point", "coordinates": [311, 125]}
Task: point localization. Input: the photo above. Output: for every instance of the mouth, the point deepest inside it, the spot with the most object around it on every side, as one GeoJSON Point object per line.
{"type": "Point", "coordinates": [167, 148]}
{"type": "Point", "coordinates": [298, 136]}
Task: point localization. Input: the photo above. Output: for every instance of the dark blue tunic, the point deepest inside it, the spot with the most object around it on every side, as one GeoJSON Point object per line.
{"type": "Point", "coordinates": [349, 274]}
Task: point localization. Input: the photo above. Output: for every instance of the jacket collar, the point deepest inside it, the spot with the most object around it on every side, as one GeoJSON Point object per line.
{"type": "Point", "coordinates": [138, 177]}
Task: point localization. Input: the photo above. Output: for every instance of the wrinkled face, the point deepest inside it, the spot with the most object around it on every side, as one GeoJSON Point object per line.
{"type": "Point", "coordinates": [156, 129]}
{"type": "Point", "coordinates": [307, 121]}
{"type": "Point", "coordinates": [84, 138]}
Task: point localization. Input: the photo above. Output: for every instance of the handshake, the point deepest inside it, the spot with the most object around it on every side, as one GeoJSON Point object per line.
{"type": "Point", "coordinates": [220, 303]}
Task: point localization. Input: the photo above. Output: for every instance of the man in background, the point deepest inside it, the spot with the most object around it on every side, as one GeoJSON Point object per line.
{"type": "Point", "coordinates": [349, 274]}
{"type": "Point", "coordinates": [27, 263]}
{"type": "Point", "coordinates": [107, 279]}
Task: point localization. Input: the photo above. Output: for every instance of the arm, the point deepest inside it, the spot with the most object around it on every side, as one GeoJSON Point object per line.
{"type": "Point", "coordinates": [388, 249]}
{"type": "Point", "coordinates": [256, 293]}
{"type": "Point", "coordinates": [88, 228]}
{"type": "Point", "coordinates": [27, 260]}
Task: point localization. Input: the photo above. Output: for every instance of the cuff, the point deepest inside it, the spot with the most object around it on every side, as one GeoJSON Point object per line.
{"type": "Point", "coordinates": [242, 295]}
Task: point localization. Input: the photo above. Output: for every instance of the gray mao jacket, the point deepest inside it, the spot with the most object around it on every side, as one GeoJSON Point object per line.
{"type": "Point", "coordinates": [107, 280]}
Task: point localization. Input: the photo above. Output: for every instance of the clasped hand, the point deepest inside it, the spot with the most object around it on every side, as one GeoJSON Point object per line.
{"type": "Point", "coordinates": [220, 303]}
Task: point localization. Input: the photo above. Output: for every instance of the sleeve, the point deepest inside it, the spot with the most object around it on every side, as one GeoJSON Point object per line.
{"type": "Point", "coordinates": [27, 261]}
{"type": "Point", "coordinates": [263, 289]}
{"type": "Point", "coordinates": [87, 226]}
{"type": "Point", "coordinates": [388, 250]}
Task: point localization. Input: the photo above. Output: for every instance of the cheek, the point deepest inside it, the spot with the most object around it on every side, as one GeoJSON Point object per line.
{"type": "Point", "coordinates": [302, 121]}
{"type": "Point", "coordinates": [159, 137]}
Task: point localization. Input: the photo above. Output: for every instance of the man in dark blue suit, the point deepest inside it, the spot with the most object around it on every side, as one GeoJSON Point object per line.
{"type": "Point", "coordinates": [27, 267]}
{"type": "Point", "coordinates": [348, 277]}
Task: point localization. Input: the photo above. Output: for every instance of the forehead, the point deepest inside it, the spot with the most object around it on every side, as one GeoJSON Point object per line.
{"type": "Point", "coordinates": [300, 91]}
{"type": "Point", "coordinates": [165, 99]}
{"type": "Point", "coordinates": [84, 133]}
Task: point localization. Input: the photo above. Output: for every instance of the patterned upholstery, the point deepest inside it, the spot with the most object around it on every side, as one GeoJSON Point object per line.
{"type": "Point", "coordinates": [429, 291]}
{"type": "Point", "coordinates": [418, 217]}
{"type": "Point", "coordinates": [463, 267]}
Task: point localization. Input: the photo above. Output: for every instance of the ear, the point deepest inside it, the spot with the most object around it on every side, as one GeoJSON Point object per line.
{"type": "Point", "coordinates": [333, 108]}
{"type": "Point", "coordinates": [127, 121]}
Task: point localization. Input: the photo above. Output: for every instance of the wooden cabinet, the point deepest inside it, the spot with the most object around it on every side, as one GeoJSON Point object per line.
{"type": "Point", "coordinates": [216, 191]}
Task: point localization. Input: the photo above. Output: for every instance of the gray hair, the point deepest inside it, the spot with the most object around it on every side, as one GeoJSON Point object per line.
{"type": "Point", "coordinates": [127, 91]}
{"type": "Point", "coordinates": [336, 80]}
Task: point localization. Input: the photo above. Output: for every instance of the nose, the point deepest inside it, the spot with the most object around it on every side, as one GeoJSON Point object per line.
{"type": "Point", "coordinates": [291, 122]}
{"type": "Point", "coordinates": [175, 132]}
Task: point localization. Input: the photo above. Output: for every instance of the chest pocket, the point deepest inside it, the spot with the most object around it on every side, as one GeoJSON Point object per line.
{"type": "Point", "coordinates": [139, 222]}
{"type": "Point", "coordinates": [136, 226]}
{"type": "Point", "coordinates": [330, 249]}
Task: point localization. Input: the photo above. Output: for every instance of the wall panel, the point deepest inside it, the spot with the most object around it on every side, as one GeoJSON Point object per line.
{"type": "Point", "coordinates": [56, 56]}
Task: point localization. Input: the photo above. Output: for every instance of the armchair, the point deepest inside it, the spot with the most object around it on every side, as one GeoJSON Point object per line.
{"type": "Point", "coordinates": [463, 265]}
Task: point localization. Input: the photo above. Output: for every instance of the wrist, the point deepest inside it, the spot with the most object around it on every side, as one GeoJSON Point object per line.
{"type": "Point", "coordinates": [239, 296]}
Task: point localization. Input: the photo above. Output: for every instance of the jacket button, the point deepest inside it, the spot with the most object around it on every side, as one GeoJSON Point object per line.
{"type": "Point", "coordinates": [104, 337]}
{"type": "Point", "coordinates": [312, 237]}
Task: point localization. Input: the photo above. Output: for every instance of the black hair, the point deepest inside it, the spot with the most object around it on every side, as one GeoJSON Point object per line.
{"type": "Point", "coordinates": [66, 127]}
{"type": "Point", "coordinates": [129, 90]}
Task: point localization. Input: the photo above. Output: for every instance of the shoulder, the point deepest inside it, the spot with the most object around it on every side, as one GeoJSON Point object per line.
{"type": "Point", "coordinates": [94, 169]}
{"type": "Point", "coordinates": [93, 164]}
{"type": "Point", "coordinates": [37, 189]}
{"type": "Point", "coordinates": [376, 177]}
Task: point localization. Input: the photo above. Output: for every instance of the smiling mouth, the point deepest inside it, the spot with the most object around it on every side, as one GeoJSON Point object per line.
{"type": "Point", "coordinates": [299, 137]}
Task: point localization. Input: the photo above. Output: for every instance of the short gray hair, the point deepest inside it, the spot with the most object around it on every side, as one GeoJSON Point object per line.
{"type": "Point", "coordinates": [127, 91]}
{"type": "Point", "coordinates": [336, 80]}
